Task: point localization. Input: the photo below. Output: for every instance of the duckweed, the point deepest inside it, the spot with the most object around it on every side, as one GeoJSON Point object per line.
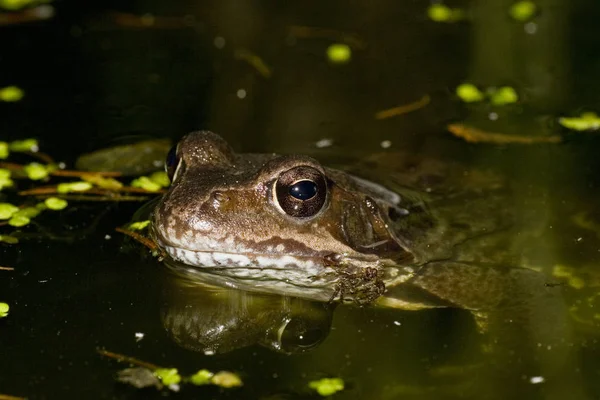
{"type": "Point", "coordinates": [55, 203]}
{"type": "Point", "coordinates": [68, 187]}
{"type": "Point", "coordinates": [143, 182]}
{"type": "Point", "coordinates": [586, 122]}
{"type": "Point", "coordinates": [327, 386]}
{"type": "Point", "coordinates": [36, 171]}
{"type": "Point", "coordinates": [11, 93]}
{"type": "Point", "coordinates": [202, 377]}
{"type": "Point", "coordinates": [168, 376]}
{"type": "Point", "coordinates": [523, 11]}
{"type": "Point", "coordinates": [7, 210]}
{"type": "Point", "coordinates": [339, 53]}
{"type": "Point", "coordinates": [4, 308]}
{"type": "Point", "coordinates": [8, 239]}
{"type": "Point", "coordinates": [138, 226]}
{"type": "Point", "coordinates": [469, 93]}
{"type": "Point", "coordinates": [160, 178]}
{"type": "Point", "coordinates": [24, 145]}
{"type": "Point", "coordinates": [503, 96]}
{"type": "Point", "coordinates": [3, 150]}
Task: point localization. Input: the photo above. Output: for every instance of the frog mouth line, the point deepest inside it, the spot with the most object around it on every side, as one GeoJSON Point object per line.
{"type": "Point", "coordinates": [222, 259]}
{"type": "Point", "coordinates": [290, 270]}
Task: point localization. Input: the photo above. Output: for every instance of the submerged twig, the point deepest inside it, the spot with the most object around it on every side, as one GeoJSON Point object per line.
{"type": "Point", "coordinates": [404, 109]}
{"type": "Point", "coordinates": [127, 359]}
{"type": "Point", "coordinates": [6, 268]}
{"type": "Point", "coordinates": [475, 135]}
{"type": "Point", "coordinates": [151, 245]}
{"type": "Point", "coordinates": [254, 60]}
{"type": "Point", "coordinates": [327, 33]}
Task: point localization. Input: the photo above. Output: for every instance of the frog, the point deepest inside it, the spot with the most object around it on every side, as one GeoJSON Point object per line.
{"type": "Point", "coordinates": [288, 225]}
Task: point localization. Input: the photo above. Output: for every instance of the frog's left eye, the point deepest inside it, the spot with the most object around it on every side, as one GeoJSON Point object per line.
{"type": "Point", "coordinates": [172, 162]}
{"type": "Point", "coordinates": [301, 191]}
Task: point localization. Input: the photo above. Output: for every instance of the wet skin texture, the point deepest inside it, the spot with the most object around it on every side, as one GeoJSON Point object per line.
{"type": "Point", "coordinates": [288, 225]}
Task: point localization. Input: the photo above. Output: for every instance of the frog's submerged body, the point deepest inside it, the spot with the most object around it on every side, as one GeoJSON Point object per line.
{"type": "Point", "coordinates": [287, 225]}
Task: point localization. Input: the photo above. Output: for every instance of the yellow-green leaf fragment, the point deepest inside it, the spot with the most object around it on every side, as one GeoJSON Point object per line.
{"type": "Point", "coordinates": [327, 386]}
{"type": "Point", "coordinates": [143, 182]}
{"type": "Point", "coordinates": [5, 180]}
{"type": "Point", "coordinates": [168, 376]}
{"type": "Point", "coordinates": [160, 178]}
{"type": "Point", "coordinates": [36, 171]}
{"type": "Point", "coordinates": [469, 93]}
{"type": "Point", "coordinates": [102, 182]}
{"type": "Point", "coordinates": [24, 145]}
{"type": "Point", "coordinates": [55, 203]}
{"type": "Point", "coordinates": [79, 186]}
{"type": "Point", "coordinates": [439, 12]}
{"type": "Point", "coordinates": [16, 4]}
{"type": "Point", "coordinates": [19, 220]}
{"type": "Point", "coordinates": [586, 122]}
{"type": "Point", "coordinates": [9, 239]}
{"type": "Point", "coordinates": [503, 96]}
{"type": "Point", "coordinates": [29, 212]}
{"type": "Point", "coordinates": [11, 94]}
{"type": "Point", "coordinates": [523, 11]}
{"type": "Point", "coordinates": [442, 13]}
{"type": "Point", "coordinates": [339, 53]}
{"type": "Point", "coordinates": [4, 308]}
{"type": "Point", "coordinates": [202, 377]}
{"type": "Point", "coordinates": [138, 226]}
{"type": "Point", "coordinates": [3, 150]}
{"type": "Point", "coordinates": [7, 210]}
{"type": "Point", "coordinates": [226, 379]}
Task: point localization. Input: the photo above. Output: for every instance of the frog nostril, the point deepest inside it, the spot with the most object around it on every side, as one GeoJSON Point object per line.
{"type": "Point", "coordinates": [220, 197]}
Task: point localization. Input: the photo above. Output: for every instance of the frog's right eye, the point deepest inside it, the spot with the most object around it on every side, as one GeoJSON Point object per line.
{"type": "Point", "coordinates": [172, 162]}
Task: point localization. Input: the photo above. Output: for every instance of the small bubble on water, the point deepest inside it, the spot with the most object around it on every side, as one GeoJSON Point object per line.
{"type": "Point", "coordinates": [324, 143]}
{"type": "Point", "coordinates": [530, 28]}
{"type": "Point", "coordinates": [536, 379]}
{"type": "Point", "coordinates": [241, 93]}
{"type": "Point", "coordinates": [219, 42]}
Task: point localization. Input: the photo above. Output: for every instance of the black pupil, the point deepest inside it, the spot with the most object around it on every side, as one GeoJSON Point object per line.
{"type": "Point", "coordinates": [303, 190]}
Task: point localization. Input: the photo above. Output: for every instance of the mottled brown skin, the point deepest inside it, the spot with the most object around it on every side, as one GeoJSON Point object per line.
{"type": "Point", "coordinates": [420, 252]}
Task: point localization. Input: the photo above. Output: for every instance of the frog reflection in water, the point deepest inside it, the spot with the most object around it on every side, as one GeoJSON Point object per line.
{"type": "Point", "coordinates": [288, 225]}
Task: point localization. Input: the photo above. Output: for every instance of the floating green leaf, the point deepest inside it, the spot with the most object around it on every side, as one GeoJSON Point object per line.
{"type": "Point", "coordinates": [4, 308]}
{"type": "Point", "coordinates": [79, 186]}
{"type": "Point", "coordinates": [160, 178]}
{"type": "Point", "coordinates": [24, 145]}
{"type": "Point", "coordinates": [19, 220]}
{"type": "Point", "coordinates": [138, 226]}
{"type": "Point", "coordinates": [36, 171]}
{"type": "Point", "coordinates": [168, 376]}
{"type": "Point", "coordinates": [55, 203]}
{"type": "Point", "coordinates": [503, 96]}
{"type": "Point", "coordinates": [145, 183]}
{"type": "Point", "coordinates": [7, 210]}
{"type": "Point", "coordinates": [327, 386]}
{"type": "Point", "coordinates": [586, 122]}
{"type": "Point", "coordinates": [201, 377]}
{"type": "Point", "coordinates": [469, 93]}
{"type": "Point", "coordinates": [226, 379]}
{"type": "Point", "coordinates": [523, 11]}
{"type": "Point", "coordinates": [442, 13]}
{"type": "Point", "coordinates": [339, 53]}
{"type": "Point", "coordinates": [9, 239]}
{"type": "Point", "coordinates": [3, 150]}
{"type": "Point", "coordinates": [11, 93]}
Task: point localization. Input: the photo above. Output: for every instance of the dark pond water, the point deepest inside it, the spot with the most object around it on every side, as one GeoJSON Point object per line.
{"type": "Point", "coordinates": [97, 72]}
